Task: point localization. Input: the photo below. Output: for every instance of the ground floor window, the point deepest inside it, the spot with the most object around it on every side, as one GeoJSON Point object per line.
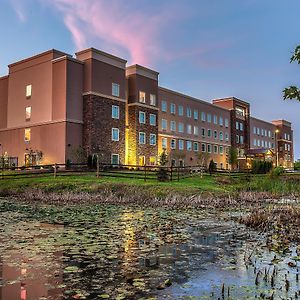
{"type": "Point", "coordinates": [173, 162]}
{"type": "Point", "coordinates": [152, 160]}
{"type": "Point", "coordinates": [115, 159]}
{"type": "Point", "coordinates": [142, 160]}
{"type": "Point", "coordinates": [181, 163]}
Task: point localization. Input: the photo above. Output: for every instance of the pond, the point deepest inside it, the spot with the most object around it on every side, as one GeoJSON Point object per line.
{"type": "Point", "coordinates": [125, 252]}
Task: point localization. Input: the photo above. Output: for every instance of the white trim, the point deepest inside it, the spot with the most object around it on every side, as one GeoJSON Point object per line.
{"type": "Point", "coordinates": [143, 105]}
{"type": "Point", "coordinates": [104, 96]}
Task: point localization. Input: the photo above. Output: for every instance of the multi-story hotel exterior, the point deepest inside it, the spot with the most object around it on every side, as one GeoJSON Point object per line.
{"type": "Point", "coordinates": [55, 104]}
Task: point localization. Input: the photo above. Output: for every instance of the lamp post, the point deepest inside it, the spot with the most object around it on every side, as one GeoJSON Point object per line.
{"type": "Point", "coordinates": [276, 145]}
{"type": "Point", "coordinates": [2, 161]}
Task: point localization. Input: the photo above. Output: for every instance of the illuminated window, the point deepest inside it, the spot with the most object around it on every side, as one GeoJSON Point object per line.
{"type": "Point", "coordinates": [115, 112]}
{"type": "Point", "coordinates": [115, 134]}
{"type": "Point", "coordinates": [27, 135]}
{"type": "Point", "coordinates": [115, 90]}
{"type": "Point", "coordinates": [28, 91]}
{"type": "Point", "coordinates": [152, 139]}
{"type": "Point", "coordinates": [152, 99]}
{"type": "Point", "coordinates": [164, 142]}
{"type": "Point", "coordinates": [28, 113]}
{"type": "Point", "coordinates": [152, 160]}
{"type": "Point", "coordinates": [142, 160]}
{"type": "Point", "coordinates": [142, 97]}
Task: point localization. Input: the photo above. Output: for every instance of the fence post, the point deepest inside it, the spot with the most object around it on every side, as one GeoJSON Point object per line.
{"type": "Point", "coordinates": [98, 166]}
{"type": "Point", "coordinates": [178, 168]}
{"type": "Point", "coordinates": [171, 178]}
{"type": "Point", "coordinates": [145, 171]}
{"type": "Point", "coordinates": [55, 167]}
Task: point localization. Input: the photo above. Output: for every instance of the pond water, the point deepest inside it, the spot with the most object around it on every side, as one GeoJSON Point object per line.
{"type": "Point", "coordinates": [118, 252]}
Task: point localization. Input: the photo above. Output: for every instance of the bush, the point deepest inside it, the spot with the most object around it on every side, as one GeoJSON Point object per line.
{"type": "Point", "coordinates": [212, 167]}
{"type": "Point", "coordinates": [162, 174]}
{"type": "Point", "coordinates": [261, 167]}
{"type": "Point", "coordinates": [277, 171]}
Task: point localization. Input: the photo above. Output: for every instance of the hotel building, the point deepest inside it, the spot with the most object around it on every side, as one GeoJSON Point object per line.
{"type": "Point", "coordinates": [56, 104]}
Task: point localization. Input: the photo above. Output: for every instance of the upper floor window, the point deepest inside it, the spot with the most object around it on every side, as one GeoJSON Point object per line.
{"type": "Point", "coordinates": [195, 114]}
{"type": "Point", "coordinates": [164, 106]}
{"type": "Point", "coordinates": [203, 116]}
{"type": "Point", "coordinates": [209, 132]}
{"type": "Point", "coordinates": [173, 108]}
{"type": "Point", "coordinates": [142, 97]}
{"type": "Point", "coordinates": [173, 144]}
{"type": "Point", "coordinates": [203, 132]}
{"type": "Point", "coordinates": [221, 136]}
{"type": "Point", "coordinates": [208, 118]}
{"type": "Point", "coordinates": [173, 126]}
{"type": "Point", "coordinates": [215, 119]}
{"type": "Point", "coordinates": [188, 112]}
{"type": "Point", "coordinates": [241, 139]}
{"type": "Point", "coordinates": [242, 127]}
{"type": "Point", "coordinates": [115, 90]}
{"type": "Point", "coordinates": [203, 148]}
{"type": "Point", "coordinates": [180, 145]}
{"type": "Point", "coordinates": [142, 138]}
{"type": "Point", "coordinates": [164, 142]}
{"type": "Point", "coordinates": [152, 119]}
{"type": "Point", "coordinates": [142, 117]}
{"type": "Point", "coordinates": [237, 126]}
{"type": "Point", "coordinates": [189, 129]}
{"type": "Point", "coordinates": [221, 121]}
{"type": "Point", "coordinates": [226, 137]}
{"type": "Point", "coordinates": [115, 134]}
{"type": "Point", "coordinates": [196, 146]}
{"type": "Point", "coordinates": [221, 150]}
{"type": "Point", "coordinates": [215, 134]}
{"type": "Point", "coordinates": [208, 148]}
{"type": "Point", "coordinates": [181, 127]}
{"type": "Point", "coordinates": [188, 145]}
{"type": "Point", "coordinates": [215, 149]}
{"type": "Point", "coordinates": [254, 142]}
{"type": "Point", "coordinates": [269, 134]}
{"type": "Point", "coordinates": [196, 130]}
{"type": "Point", "coordinates": [152, 99]}
{"type": "Point", "coordinates": [164, 124]}
{"type": "Point", "coordinates": [28, 113]}
{"type": "Point", "coordinates": [28, 91]}
{"type": "Point", "coordinates": [152, 139]}
{"type": "Point", "coordinates": [27, 135]}
{"type": "Point", "coordinates": [180, 110]}
{"type": "Point", "coordinates": [254, 130]}
{"type": "Point", "coordinates": [115, 112]}
{"type": "Point", "coordinates": [226, 123]}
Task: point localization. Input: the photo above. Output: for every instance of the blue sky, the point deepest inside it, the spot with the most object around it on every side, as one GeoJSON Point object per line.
{"type": "Point", "coordinates": [207, 49]}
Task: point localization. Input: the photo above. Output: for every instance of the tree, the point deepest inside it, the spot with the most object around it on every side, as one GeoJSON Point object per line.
{"type": "Point", "coordinates": [212, 167]}
{"type": "Point", "coordinates": [203, 158]}
{"type": "Point", "coordinates": [293, 92]}
{"type": "Point", "coordinates": [297, 165]}
{"type": "Point", "coordinates": [232, 157]}
{"type": "Point", "coordinates": [162, 174]}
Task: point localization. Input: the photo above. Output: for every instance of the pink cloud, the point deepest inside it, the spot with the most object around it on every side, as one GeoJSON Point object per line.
{"type": "Point", "coordinates": [116, 26]}
{"type": "Point", "coordinates": [19, 10]}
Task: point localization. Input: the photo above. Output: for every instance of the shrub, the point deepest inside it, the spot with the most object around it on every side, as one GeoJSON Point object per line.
{"type": "Point", "coordinates": [162, 174]}
{"type": "Point", "coordinates": [261, 167]}
{"type": "Point", "coordinates": [212, 167]}
{"type": "Point", "coordinates": [277, 171]}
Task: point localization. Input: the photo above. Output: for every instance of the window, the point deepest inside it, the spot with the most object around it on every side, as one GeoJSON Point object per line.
{"type": "Point", "coordinates": [180, 110]}
{"type": "Point", "coordinates": [28, 113]}
{"type": "Point", "coordinates": [115, 112]}
{"type": "Point", "coordinates": [270, 145]}
{"type": "Point", "coordinates": [188, 145]}
{"type": "Point", "coordinates": [221, 136]}
{"type": "Point", "coordinates": [221, 150]}
{"type": "Point", "coordinates": [254, 130]}
{"type": "Point", "coordinates": [215, 149]}
{"type": "Point", "coordinates": [241, 139]}
{"type": "Point", "coordinates": [269, 134]}
{"type": "Point", "coordinates": [188, 112]}
{"type": "Point", "coordinates": [196, 130]}
{"type": "Point", "coordinates": [115, 134]}
{"type": "Point", "coordinates": [221, 121]}
{"type": "Point", "coordinates": [196, 146]}
{"type": "Point", "coordinates": [164, 106]}
{"type": "Point", "coordinates": [209, 148]}
{"type": "Point", "coordinates": [215, 134]}
{"type": "Point", "coordinates": [152, 160]}
{"type": "Point", "coordinates": [258, 131]}
{"type": "Point", "coordinates": [28, 91]}
{"type": "Point", "coordinates": [173, 108]}
{"type": "Point", "coordinates": [173, 126]}
{"type": "Point", "coordinates": [180, 144]}
{"type": "Point", "coordinates": [203, 148]}
{"type": "Point", "coordinates": [152, 99]}
{"type": "Point", "coordinates": [226, 137]}
{"type": "Point", "coordinates": [226, 123]}
{"type": "Point", "coordinates": [215, 120]}
{"type": "Point", "coordinates": [173, 144]}
{"type": "Point", "coordinates": [254, 143]}
{"type": "Point", "coordinates": [27, 135]}
{"type": "Point", "coordinates": [258, 143]}
{"type": "Point", "coordinates": [142, 138]}
{"type": "Point", "coordinates": [189, 129]}
{"type": "Point", "coordinates": [142, 160]}
{"type": "Point", "coordinates": [203, 116]}
{"type": "Point", "coordinates": [237, 139]}
{"type": "Point", "coordinates": [164, 143]}
{"type": "Point", "coordinates": [115, 159]}
{"type": "Point", "coordinates": [181, 127]}
{"type": "Point", "coordinates": [237, 126]}
{"type": "Point", "coordinates": [152, 119]}
{"type": "Point", "coordinates": [203, 132]}
{"type": "Point", "coordinates": [208, 118]}
{"type": "Point", "coordinates": [142, 97]}
{"type": "Point", "coordinates": [195, 114]}
{"type": "Point", "coordinates": [115, 90]}
{"type": "Point", "coordinates": [164, 124]}
{"type": "Point", "coordinates": [242, 127]}
{"type": "Point", "coordinates": [152, 139]}
{"type": "Point", "coordinates": [142, 117]}
{"type": "Point", "coordinates": [209, 132]}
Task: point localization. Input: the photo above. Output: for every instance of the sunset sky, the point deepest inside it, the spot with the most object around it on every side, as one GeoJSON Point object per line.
{"type": "Point", "coordinates": [206, 49]}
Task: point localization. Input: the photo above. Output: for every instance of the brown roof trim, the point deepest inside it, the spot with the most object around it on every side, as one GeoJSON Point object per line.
{"type": "Point", "coordinates": [4, 77]}
{"type": "Point", "coordinates": [231, 98]}
{"type": "Point", "coordinates": [142, 68]}
{"type": "Point", "coordinates": [67, 58]}
{"type": "Point", "coordinates": [102, 53]}
{"type": "Point", "coordinates": [269, 123]}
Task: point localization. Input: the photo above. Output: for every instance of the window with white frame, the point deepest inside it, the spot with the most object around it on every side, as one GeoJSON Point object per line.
{"type": "Point", "coordinates": [142, 138]}
{"type": "Point", "coordinates": [189, 129]}
{"type": "Point", "coordinates": [226, 123]}
{"type": "Point", "coordinates": [173, 144]}
{"type": "Point", "coordinates": [188, 112]}
{"type": "Point", "coordinates": [254, 143]}
{"type": "Point", "coordinates": [115, 89]}
{"type": "Point", "coordinates": [237, 139]}
{"type": "Point", "coordinates": [215, 119]}
{"type": "Point", "coordinates": [208, 117]}
{"type": "Point", "coordinates": [241, 127]}
{"type": "Point", "coordinates": [208, 148]}
{"type": "Point", "coordinates": [27, 135]}
{"type": "Point", "coordinates": [180, 110]}
{"type": "Point", "coordinates": [237, 126]}
{"type": "Point", "coordinates": [164, 124]}
{"type": "Point", "coordinates": [164, 106]}
{"type": "Point", "coordinates": [270, 146]}
{"type": "Point", "coordinates": [203, 116]}
{"type": "Point", "coordinates": [172, 108]}
{"type": "Point", "coordinates": [164, 142]}
{"type": "Point", "coordinates": [152, 139]}
{"type": "Point", "coordinates": [142, 97]}
{"type": "Point", "coordinates": [28, 91]}
{"type": "Point", "coordinates": [115, 112]}
{"type": "Point", "coordinates": [152, 99]}
{"type": "Point", "coordinates": [115, 159]}
{"type": "Point", "coordinates": [215, 134]}
{"type": "Point", "coordinates": [269, 133]}
{"type": "Point", "coordinates": [203, 132]}
{"type": "Point", "coordinates": [173, 126]}
{"type": "Point", "coordinates": [209, 132]}
{"type": "Point", "coordinates": [181, 127]}
{"type": "Point", "coordinates": [203, 148]}
{"type": "Point", "coordinates": [257, 131]}
{"type": "Point", "coordinates": [221, 136]}
{"type": "Point", "coordinates": [221, 121]}
{"type": "Point", "coordinates": [254, 130]}
{"type": "Point", "coordinates": [152, 119]}
{"type": "Point", "coordinates": [142, 117]}
{"type": "Point", "coordinates": [115, 134]}
{"type": "Point", "coordinates": [188, 145]}
{"type": "Point", "coordinates": [226, 137]}
{"type": "Point", "coordinates": [196, 114]}
{"type": "Point", "coordinates": [241, 139]}
{"type": "Point", "coordinates": [196, 130]}
{"type": "Point", "coordinates": [221, 150]}
{"type": "Point", "coordinates": [196, 146]}
{"type": "Point", "coordinates": [28, 113]}
{"type": "Point", "coordinates": [180, 144]}
{"type": "Point", "coordinates": [258, 143]}
{"type": "Point", "coordinates": [215, 149]}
